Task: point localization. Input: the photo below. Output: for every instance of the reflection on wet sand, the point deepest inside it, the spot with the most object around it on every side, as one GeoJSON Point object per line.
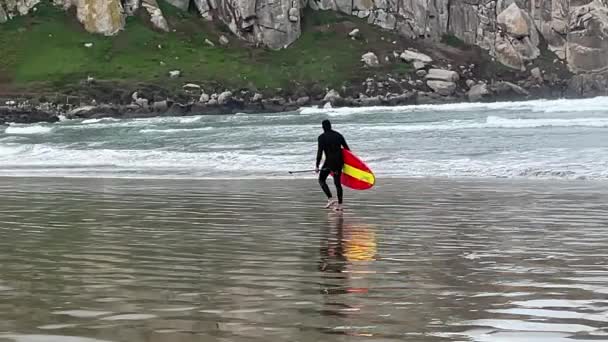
{"type": "Point", "coordinates": [183, 261]}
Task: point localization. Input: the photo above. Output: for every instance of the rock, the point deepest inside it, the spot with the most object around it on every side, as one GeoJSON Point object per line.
{"type": "Point", "coordinates": [442, 87]}
{"type": "Point", "coordinates": [224, 40]}
{"type": "Point", "coordinates": [303, 101]}
{"type": "Point", "coordinates": [143, 103]}
{"type": "Point", "coordinates": [257, 97]}
{"type": "Point", "coordinates": [514, 21]}
{"type": "Point", "coordinates": [156, 15]}
{"type": "Point", "coordinates": [213, 102]}
{"type": "Point", "coordinates": [412, 56]}
{"type": "Point", "coordinates": [224, 98]}
{"type": "Point", "coordinates": [88, 45]}
{"type": "Point", "coordinates": [204, 98]}
{"type": "Point", "coordinates": [135, 96]}
{"type": "Point", "coordinates": [160, 106]}
{"type": "Point", "coordinates": [537, 75]}
{"type": "Point", "coordinates": [332, 97]}
{"type": "Point", "coordinates": [442, 75]}
{"type": "Point", "coordinates": [402, 99]}
{"type": "Point", "coordinates": [191, 86]}
{"type": "Point", "coordinates": [81, 111]}
{"type": "Point", "coordinates": [370, 101]}
{"type": "Point", "coordinates": [3, 16]}
{"type": "Point", "coordinates": [478, 92]}
{"type": "Point", "coordinates": [103, 17]}
{"type": "Point", "coordinates": [355, 34]}
{"type": "Point", "coordinates": [470, 83]}
{"type": "Point", "coordinates": [210, 43]}
{"type": "Point", "coordinates": [178, 110]}
{"type": "Point", "coordinates": [587, 38]}
{"type": "Point", "coordinates": [370, 59]}
{"type": "Point", "coordinates": [588, 85]}
{"type": "Point", "coordinates": [294, 15]}
{"type": "Point", "coordinates": [418, 65]}
{"type": "Point", "coordinates": [175, 73]}
{"type": "Point", "coordinates": [328, 106]}
{"type": "Point", "coordinates": [421, 73]}
{"type": "Point", "coordinates": [508, 89]}
{"type": "Point", "coordinates": [90, 79]}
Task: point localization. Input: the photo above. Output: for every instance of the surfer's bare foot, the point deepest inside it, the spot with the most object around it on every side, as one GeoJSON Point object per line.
{"type": "Point", "coordinates": [338, 207]}
{"type": "Point", "coordinates": [330, 203]}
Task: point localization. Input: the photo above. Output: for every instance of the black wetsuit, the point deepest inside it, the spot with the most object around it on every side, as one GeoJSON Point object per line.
{"type": "Point", "coordinates": [331, 143]}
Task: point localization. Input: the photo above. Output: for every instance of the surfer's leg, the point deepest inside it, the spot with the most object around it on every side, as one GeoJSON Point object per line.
{"type": "Point", "coordinates": [338, 182]}
{"type": "Point", "coordinates": [323, 182]}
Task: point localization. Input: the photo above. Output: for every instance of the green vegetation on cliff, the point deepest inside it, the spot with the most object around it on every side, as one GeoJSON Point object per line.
{"type": "Point", "coordinates": [47, 50]}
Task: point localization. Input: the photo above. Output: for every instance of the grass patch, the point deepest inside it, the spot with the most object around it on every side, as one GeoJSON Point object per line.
{"type": "Point", "coordinates": [49, 48]}
{"type": "Point", "coordinates": [452, 40]}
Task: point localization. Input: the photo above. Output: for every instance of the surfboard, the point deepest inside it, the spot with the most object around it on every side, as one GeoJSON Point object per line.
{"type": "Point", "coordinates": [356, 174]}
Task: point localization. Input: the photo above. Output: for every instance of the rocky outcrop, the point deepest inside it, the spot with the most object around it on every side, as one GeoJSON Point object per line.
{"type": "Point", "coordinates": [156, 15]}
{"type": "Point", "coordinates": [3, 16]}
{"type": "Point", "coordinates": [105, 17]}
{"type": "Point", "coordinates": [587, 39]}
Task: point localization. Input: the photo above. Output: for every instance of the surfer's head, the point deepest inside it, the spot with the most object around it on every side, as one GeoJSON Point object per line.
{"type": "Point", "coordinates": [326, 125]}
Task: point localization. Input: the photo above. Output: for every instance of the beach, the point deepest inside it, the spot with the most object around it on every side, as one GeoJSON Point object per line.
{"type": "Point", "coordinates": [89, 260]}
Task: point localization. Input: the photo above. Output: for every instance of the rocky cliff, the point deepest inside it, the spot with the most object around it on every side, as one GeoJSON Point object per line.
{"type": "Point", "coordinates": [512, 31]}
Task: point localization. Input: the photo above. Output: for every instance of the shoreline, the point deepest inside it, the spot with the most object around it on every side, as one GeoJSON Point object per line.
{"type": "Point", "coordinates": [27, 112]}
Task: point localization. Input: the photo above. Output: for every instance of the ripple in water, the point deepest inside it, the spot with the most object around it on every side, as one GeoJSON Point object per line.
{"type": "Point", "coordinates": [111, 260]}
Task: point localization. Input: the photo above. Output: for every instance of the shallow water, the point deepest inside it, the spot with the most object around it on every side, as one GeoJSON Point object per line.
{"type": "Point", "coordinates": [565, 139]}
{"type": "Point", "coordinates": [413, 260]}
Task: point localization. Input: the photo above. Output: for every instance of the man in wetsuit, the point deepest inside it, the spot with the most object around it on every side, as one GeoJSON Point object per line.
{"type": "Point", "coordinates": [331, 143]}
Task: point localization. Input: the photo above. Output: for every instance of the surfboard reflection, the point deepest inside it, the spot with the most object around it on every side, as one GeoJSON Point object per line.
{"type": "Point", "coordinates": [348, 252]}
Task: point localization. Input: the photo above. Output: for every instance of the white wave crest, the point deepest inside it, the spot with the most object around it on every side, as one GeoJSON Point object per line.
{"type": "Point", "coordinates": [543, 106]}
{"type": "Point", "coordinates": [495, 122]}
{"type": "Point", "coordinates": [174, 130]}
{"type": "Point", "coordinates": [92, 121]}
{"type": "Point", "coordinates": [23, 130]}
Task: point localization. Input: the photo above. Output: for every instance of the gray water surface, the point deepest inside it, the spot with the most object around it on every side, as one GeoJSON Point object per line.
{"type": "Point", "coordinates": [413, 260]}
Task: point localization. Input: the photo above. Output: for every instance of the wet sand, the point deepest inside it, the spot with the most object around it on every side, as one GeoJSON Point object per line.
{"type": "Point", "coordinates": [413, 260]}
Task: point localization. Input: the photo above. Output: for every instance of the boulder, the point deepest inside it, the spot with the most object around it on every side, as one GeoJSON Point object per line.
{"type": "Point", "coordinates": [370, 59]}
{"type": "Point", "coordinates": [191, 86]}
{"type": "Point", "coordinates": [142, 103]}
{"type": "Point", "coordinates": [210, 43]}
{"type": "Point", "coordinates": [332, 97]}
{"type": "Point", "coordinates": [224, 40]}
{"type": "Point", "coordinates": [478, 92]}
{"type": "Point", "coordinates": [537, 75]}
{"type": "Point", "coordinates": [442, 87]}
{"type": "Point", "coordinates": [156, 15]}
{"type": "Point", "coordinates": [442, 75]}
{"type": "Point", "coordinates": [294, 15]}
{"type": "Point", "coordinates": [175, 73]}
{"type": "Point", "coordinates": [587, 38]}
{"type": "Point", "coordinates": [421, 73]}
{"type": "Point", "coordinates": [224, 98]}
{"type": "Point", "coordinates": [412, 56]}
{"type": "Point", "coordinates": [588, 85]}
{"type": "Point", "coordinates": [160, 106]}
{"type": "Point", "coordinates": [508, 89]}
{"type": "Point", "coordinates": [514, 21]}
{"type": "Point", "coordinates": [470, 83]}
{"type": "Point", "coordinates": [204, 98]}
{"type": "Point", "coordinates": [355, 34]}
{"type": "Point", "coordinates": [303, 101]}
{"type": "Point", "coordinates": [418, 65]}
{"type": "Point", "coordinates": [257, 97]}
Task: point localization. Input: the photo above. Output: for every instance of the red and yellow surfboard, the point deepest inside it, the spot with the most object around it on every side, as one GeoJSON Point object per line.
{"type": "Point", "coordinates": [356, 174]}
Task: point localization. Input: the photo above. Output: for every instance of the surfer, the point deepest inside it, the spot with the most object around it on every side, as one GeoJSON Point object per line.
{"type": "Point", "coordinates": [331, 143]}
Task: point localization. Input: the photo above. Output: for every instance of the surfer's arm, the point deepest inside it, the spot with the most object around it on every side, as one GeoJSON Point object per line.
{"type": "Point", "coordinates": [319, 154]}
{"type": "Point", "coordinates": [344, 144]}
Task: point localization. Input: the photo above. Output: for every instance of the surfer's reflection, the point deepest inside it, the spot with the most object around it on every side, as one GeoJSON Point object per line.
{"type": "Point", "coordinates": [347, 253]}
